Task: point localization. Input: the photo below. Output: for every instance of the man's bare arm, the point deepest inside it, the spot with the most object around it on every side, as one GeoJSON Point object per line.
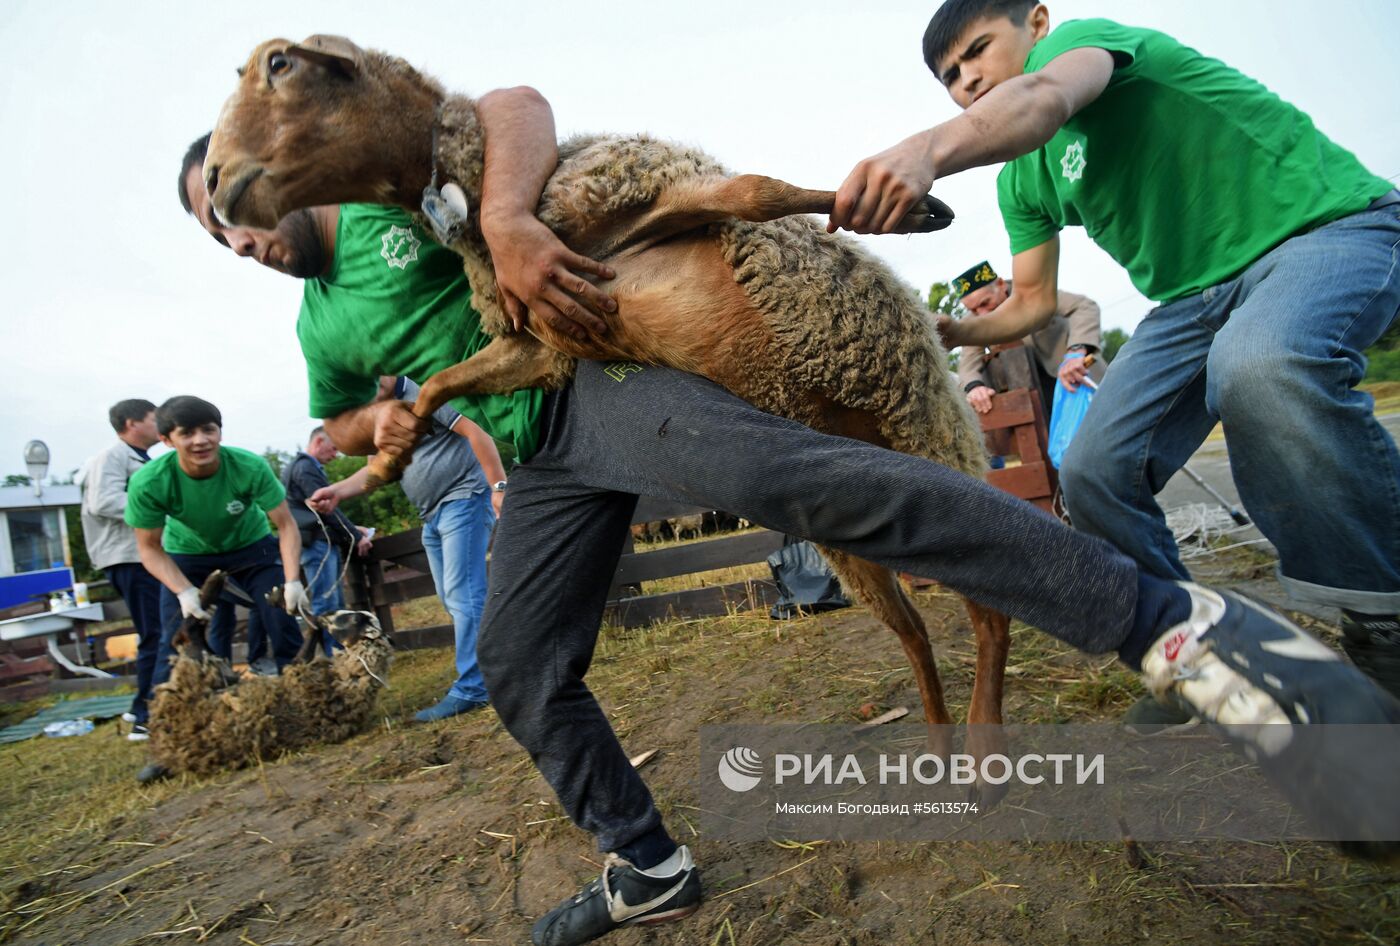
{"type": "Point", "coordinates": [1013, 119]}
{"type": "Point", "coordinates": [158, 562]}
{"type": "Point", "coordinates": [1031, 305]}
{"type": "Point", "coordinates": [288, 540]}
{"type": "Point", "coordinates": [483, 447]}
{"type": "Point", "coordinates": [534, 270]}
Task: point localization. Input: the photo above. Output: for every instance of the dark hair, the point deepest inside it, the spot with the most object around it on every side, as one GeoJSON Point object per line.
{"type": "Point", "coordinates": [133, 408]}
{"type": "Point", "coordinates": [195, 154]}
{"type": "Point", "coordinates": [955, 16]}
{"type": "Point", "coordinates": [186, 411]}
{"type": "Point", "coordinates": [318, 431]}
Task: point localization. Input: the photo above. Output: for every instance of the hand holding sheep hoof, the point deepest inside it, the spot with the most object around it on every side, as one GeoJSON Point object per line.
{"type": "Point", "coordinates": [191, 639]}
{"type": "Point", "coordinates": [398, 427]}
{"type": "Point", "coordinates": [926, 216]}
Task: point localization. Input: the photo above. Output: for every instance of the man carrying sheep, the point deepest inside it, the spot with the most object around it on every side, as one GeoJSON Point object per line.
{"type": "Point", "coordinates": [586, 451]}
{"type": "Point", "coordinates": [1271, 250]}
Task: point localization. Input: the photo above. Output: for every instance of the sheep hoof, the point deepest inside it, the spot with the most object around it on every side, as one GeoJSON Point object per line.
{"type": "Point", "coordinates": [986, 795]}
{"type": "Point", "coordinates": [926, 216]}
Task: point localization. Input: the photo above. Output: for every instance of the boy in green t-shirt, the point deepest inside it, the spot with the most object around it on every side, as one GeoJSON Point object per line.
{"type": "Point", "coordinates": [1271, 249]}
{"type": "Point", "coordinates": [201, 507]}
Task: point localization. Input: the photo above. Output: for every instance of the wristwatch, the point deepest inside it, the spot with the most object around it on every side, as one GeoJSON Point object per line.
{"type": "Point", "coordinates": [499, 487]}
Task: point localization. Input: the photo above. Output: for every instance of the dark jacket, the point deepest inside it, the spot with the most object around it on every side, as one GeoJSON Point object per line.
{"type": "Point", "coordinates": [302, 477]}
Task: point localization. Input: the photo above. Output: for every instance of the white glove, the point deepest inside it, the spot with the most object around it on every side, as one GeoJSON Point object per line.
{"type": "Point", "coordinates": [189, 604]}
{"type": "Point", "coordinates": [294, 598]}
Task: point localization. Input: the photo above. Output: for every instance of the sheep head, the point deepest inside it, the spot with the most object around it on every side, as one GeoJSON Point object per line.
{"type": "Point", "coordinates": [350, 627]}
{"type": "Point", "coordinates": [319, 122]}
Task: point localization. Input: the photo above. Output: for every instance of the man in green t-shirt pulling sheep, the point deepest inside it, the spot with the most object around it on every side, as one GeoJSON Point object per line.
{"type": "Point", "coordinates": [204, 506]}
{"type": "Point", "coordinates": [1271, 250]}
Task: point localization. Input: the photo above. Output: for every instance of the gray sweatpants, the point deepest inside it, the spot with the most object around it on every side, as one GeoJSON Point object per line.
{"type": "Point", "coordinates": [614, 434]}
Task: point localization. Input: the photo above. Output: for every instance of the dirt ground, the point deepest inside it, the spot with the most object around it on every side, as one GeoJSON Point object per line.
{"type": "Point", "coordinates": [445, 834]}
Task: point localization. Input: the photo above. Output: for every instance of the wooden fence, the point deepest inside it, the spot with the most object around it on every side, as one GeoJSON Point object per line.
{"type": "Point", "coordinates": [396, 571]}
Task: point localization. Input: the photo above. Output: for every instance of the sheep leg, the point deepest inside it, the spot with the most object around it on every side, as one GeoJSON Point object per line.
{"type": "Point", "coordinates": [507, 364]}
{"type": "Point", "coordinates": [311, 645]}
{"type": "Point", "coordinates": [878, 588]}
{"type": "Point", "coordinates": [985, 735]}
{"type": "Point", "coordinates": [691, 204]}
{"type": "Point", "coordinates": [190, 640]}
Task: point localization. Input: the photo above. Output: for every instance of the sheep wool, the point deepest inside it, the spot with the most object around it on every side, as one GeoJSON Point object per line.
{"type": "Point", "coordinates": [199, 728]}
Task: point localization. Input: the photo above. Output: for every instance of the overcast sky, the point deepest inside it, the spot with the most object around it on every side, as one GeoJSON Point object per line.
{"type": "Point", "coordinates": [110, 291]}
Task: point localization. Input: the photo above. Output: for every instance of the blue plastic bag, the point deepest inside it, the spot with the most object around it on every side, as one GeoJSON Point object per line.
{"type": "Point", "coordinates": [1066, 415]}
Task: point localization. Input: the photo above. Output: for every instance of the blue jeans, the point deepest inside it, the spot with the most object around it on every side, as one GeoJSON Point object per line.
{"type": "Point", "coordinates": [256, 568]}
{"type": "Point", "coordinates": [141, 593]}
{"type": "Point", "coordinates": [1275, 354]}
{"type": "Point", "coordinates": [455, 537]}
{"type": "Point", "coordinates": [320, 562]}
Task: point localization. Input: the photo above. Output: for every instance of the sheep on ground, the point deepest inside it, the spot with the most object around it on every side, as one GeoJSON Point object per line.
{"type": "Point", "coordinates": [202, 724]}
{"type": "Point", "coordinates": [713, 276]}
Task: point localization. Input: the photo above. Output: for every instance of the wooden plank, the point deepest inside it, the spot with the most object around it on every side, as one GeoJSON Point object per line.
{"type": "Point", "coordinates": [416, 638]}
{"type": "Point", "coordinates": [29, 690]}
{"type": "Point", "coordinates": [697, 557]}
{"type": "Point", "coordinates": [374, 572]}
{"type": "Point", "coordinates": [387, 593]}
{"type": "Point", "coordinates": [13, 667]}
{"type": "Point", "coordinates": [390, 547]}
{"type": "Point", "coordinates": [1027, 481]}
{"type": "Point", "coordinates": [696, 603]}
{"type": "Point", "coordinates": [1028, 445]}
{"type": "Point", "coordinates": [357, 596]}
{"type": "Point", "coordinates": [418, 561]}
{"type": "Point", "coordinates": [1008, 410]}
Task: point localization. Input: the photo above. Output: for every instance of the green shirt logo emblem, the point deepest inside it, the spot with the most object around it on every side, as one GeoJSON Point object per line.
{"type": "Point", "coordinates": [235, 508]}
{"type": "Point", "coordinates": [1073, 162]}
{"type": "Point", "coordinates": [399, 247]}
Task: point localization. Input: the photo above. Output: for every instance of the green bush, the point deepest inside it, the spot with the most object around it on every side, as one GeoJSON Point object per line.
{"type": "Point", "coordinates": [1383, 364]}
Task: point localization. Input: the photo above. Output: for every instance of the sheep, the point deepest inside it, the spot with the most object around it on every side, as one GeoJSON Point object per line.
{"type": "Point", "coordinates": [713, 276]}
{"type": "Point", "coordinates": [203, 720]}
{"type": "Point", "coordinates": [681, 526]}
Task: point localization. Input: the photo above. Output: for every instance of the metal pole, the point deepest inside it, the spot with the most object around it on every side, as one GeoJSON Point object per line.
{"type": "Point", "coordinates": [1235, 514]}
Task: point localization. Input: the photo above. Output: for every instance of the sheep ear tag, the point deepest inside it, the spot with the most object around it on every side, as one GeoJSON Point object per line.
{"type": "Point", "coordinates": [446, 211]}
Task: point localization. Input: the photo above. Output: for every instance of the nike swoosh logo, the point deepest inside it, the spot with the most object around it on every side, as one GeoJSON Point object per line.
{"type": "Point", "coordinates": [1299, 648]}
{"type": "Point", "coordinates": [621, 910]}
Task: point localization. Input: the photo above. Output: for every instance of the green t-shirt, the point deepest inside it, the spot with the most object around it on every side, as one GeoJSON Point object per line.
{"type": "Point", "coordinates": [218, 514]}
{"type": "Point", "coordinates": [1183, 169]}
{"type": "Point", "coordinates": [397, 303]}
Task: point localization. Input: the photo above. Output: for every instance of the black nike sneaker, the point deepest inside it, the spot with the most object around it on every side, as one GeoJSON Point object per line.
{"type": "Point", "coordinates": [622, 896]}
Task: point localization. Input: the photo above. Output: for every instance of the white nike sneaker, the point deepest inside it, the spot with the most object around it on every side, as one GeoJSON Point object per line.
{"type": "Point", "coordinates": [1283, 697]}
